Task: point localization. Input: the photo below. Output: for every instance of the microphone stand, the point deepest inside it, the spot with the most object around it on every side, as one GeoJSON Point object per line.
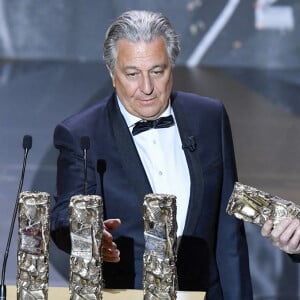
{"type": "Point", "coordinates": [27, 141]}
{"type": "Point", "coordinates": [101, 169]}
{"type": "Point", "coordinates": [85, 145]}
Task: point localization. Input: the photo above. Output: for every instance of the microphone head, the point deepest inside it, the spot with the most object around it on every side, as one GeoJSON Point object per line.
{"type": "Point", "coordinates": [101, 166]}
{"type": "Point", "coordinates": [27, 142]}
{"type": "Point", "coordinates": [85, 143]}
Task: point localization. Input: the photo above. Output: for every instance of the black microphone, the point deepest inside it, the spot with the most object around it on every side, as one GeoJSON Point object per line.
{"type": "Point", "coordinates": [85, 145]}
{"type": "Point", "coordinates": [101, 169]}
{"type": "Point", "coordinates": [27, 144]}
{"type": "Point", "coordinates": [190, 143]}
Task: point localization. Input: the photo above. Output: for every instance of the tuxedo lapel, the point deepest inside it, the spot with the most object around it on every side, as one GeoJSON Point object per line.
{"type": "Point", "coordinates": [190, 145]}
{"type": "Point", "coordinates": [127, 151]}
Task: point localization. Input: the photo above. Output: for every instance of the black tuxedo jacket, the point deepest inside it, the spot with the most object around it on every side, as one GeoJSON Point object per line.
{"type": "Point", "coordinates": [212, 254]}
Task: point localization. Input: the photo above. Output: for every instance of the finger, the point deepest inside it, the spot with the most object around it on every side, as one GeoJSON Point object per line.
{"type": "Point", "coordinates": [280, 228]}
{"type": "Point", "coordinates": [111, 256]}
{"type": "Point", "coordinates": [111, 251]}
{"type": "Point", "coordinates": [112, 224]}
{"type": "Point", "coordinates": [110, 246]}
{"type": "Point", "coordinates": [107, 236]}
{"type": "Point", "coordinates": [294, 242]}
{"type": "Point", "coordinates": [289, 232]}
{"type": "Point", "coordinates": [267, 228]}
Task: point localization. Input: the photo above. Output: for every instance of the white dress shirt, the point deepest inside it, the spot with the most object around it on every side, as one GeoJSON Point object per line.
{"type": "Point", "coordinates": [164, 161]}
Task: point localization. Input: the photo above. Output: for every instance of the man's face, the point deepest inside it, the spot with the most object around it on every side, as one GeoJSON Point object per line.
{"type": "Point", "coordinates": [143, 77]}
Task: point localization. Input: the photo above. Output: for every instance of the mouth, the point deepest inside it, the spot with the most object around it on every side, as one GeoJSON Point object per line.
{"type": "Point", "coordinates": [148, 100]}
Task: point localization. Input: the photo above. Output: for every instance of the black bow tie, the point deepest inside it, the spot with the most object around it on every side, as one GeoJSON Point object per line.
{"type": "Point", "coordinates": [143, 125]}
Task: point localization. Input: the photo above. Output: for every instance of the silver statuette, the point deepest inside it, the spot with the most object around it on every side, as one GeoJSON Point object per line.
{"type": "Point", "coordinates": [252, 205]}
{"type": "Point", "coordinates": [86, 228]}
{"type": "Point", "coordinates": [160, 232]}
{"type": "Point", "coordinates": [33, 246]}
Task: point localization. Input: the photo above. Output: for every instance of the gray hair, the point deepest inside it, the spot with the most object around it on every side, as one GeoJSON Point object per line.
{"type": "Point", "coordinates": [139, 25]}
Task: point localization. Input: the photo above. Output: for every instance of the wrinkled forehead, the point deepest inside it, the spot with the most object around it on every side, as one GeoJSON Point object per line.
{"type": "Point", "coordinates": [142, 51]}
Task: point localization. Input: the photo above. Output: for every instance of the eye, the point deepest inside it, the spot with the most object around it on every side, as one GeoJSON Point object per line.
{"type": "Point", "coordinates": [157, 72]}
{"type": "Point", "coordinates": [132, 74]}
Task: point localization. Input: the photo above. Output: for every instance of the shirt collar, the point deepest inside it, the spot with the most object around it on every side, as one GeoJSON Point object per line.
{"type": "Point", "coordinates": [131, 119]}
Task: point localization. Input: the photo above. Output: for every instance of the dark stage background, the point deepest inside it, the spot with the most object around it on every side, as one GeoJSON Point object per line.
{"type": "Point", "coordinates": [246, 53]}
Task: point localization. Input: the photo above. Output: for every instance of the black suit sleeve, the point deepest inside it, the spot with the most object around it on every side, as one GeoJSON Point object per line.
{"type": "Point", "coordinates": [295, 257]}
{"type": "Point", "coordinates": [69, 182]}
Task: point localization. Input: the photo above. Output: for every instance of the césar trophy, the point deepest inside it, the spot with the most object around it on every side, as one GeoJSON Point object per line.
{"type": "Point", "coordinates": [160, 232]}
{"type": "Point", "coordinates": [86, 228]}
{"type": "Point", "coordinates": [33, 246]}
{"type": "Point", "coordinates": [255, 206]}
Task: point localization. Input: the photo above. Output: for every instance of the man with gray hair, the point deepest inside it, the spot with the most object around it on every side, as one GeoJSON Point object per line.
{"type": "Point", "coordinates": [148, 138]}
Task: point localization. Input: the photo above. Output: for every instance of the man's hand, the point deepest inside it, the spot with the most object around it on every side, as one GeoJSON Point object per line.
{"type": "Point", "coordinates": [110, 251]}
{"type": "Point", "coordinates": [285, 235]}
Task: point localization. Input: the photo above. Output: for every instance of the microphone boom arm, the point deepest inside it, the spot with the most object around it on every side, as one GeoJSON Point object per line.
{"type": "Point", "coordinates": [27, 143]}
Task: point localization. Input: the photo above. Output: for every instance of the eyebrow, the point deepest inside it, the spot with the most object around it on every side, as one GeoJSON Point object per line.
{"type": "Point", "coordinates": [153, 67]}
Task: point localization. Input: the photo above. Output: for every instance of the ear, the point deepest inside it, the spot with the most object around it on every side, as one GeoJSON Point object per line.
{"type": "Point", "coordinates": [111, 75]}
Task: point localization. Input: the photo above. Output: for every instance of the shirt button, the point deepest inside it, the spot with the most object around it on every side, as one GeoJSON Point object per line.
{"type": "Point", "coordinates": [154, 142]}
{"type": "Point", "coordinates": [160, 173]}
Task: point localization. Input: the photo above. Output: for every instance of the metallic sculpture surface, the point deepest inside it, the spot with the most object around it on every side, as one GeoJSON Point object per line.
{"type": "Point", "coordinates": [33, 246]}
{"type": "Point", "coordinates": [86, 227]}
{"type": "Point", "coordinates": [160, 231]}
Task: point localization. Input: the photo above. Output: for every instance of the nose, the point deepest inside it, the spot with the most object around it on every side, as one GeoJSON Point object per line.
{"type": "Point", "coordinates": [146, 85]}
